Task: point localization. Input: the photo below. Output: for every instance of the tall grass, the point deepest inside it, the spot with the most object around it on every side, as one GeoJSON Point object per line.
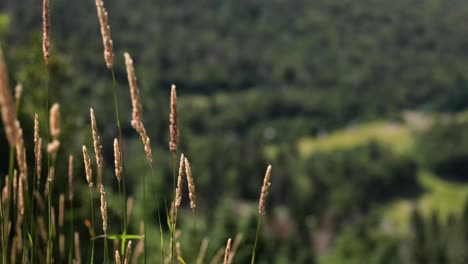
{"type": "Point", "coordinates": [35, 242]}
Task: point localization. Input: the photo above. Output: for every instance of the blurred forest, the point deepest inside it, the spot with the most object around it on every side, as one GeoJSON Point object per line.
{"type": "Point", "coordinates": [360, 106]}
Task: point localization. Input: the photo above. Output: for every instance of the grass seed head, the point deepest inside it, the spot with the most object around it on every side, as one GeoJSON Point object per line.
{"type": "Point", "coordinates": [117, 160]}
{"type": "Point", "coordinates": [18, 92]}
{"type": "Point", "coordinates": [264, 192]}
{"type": "Point", "coordinates": [180, 182]}
{"type": "Point", "coordinates": [103, 209]}
{"type": "Point", "coordinates": [173, 119]}
{"type": "Point", "coordinates": [55, 120]}
{"type": "Point", "coordinates": [96, 139]}
{"type": "Point", "coordinates": [105, 33]}
{"type": "Point", "coordinates": [6, 105]}
{"type": "Point", "coordinates": [87, 163]}
{"type": "Point", "coordinates": [128, 252]}
{"type": "Point", "coordinates": [134, 92]}
{"type": "Point", "coordinates": [46, 31]}
{"type": "Point", "coordinates": [70, 177]}
{"type": "Point", "coordinates": [191, 185]}
{"type": "Point", "coordinates": [117, 257]}
{"type": "Point", "coordinates": [227, 252]}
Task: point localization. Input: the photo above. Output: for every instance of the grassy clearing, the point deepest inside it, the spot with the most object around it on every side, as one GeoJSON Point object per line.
{"type": "Point", "coordinates": [396, 135]}
{"type": "Point", "coordinates": [444, 196]}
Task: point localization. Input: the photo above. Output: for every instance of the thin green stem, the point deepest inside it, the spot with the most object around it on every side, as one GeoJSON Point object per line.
{"type": "Point", "coordinates": [2, 230]}
{"type": "Point", "coordinates": [194, 224]}
{"type": "Point", "coordinates": [6, 219]}
{"type": "Point", "coordinates": [92, 223]}
{"type": "Point", "coordinates": [49, 206]}
{"type": "Point", "coordinates": [144, 210]}
{"type": "Point", "coordinates": [122, 242]}
{"type": "Point", "coordinates": [173, 195]}
{"type": "Point", "coordinates": [31, 218]}
{"type": "Point", "coordinates": [161, 237]}
{"type": "Point", "coordinates": [259, 224]}
{"type": "Point", "coordinates": [119, 128]}
{"type": "Point", "coordinates": [49, 209]}
{"type": "Point", "coordinates": [70, 239]}
{"type": "Point", "coordinates": [106, 251]}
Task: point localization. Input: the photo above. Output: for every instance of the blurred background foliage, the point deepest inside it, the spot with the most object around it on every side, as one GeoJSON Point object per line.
{"type": "Point", "coordinates": [360, 106]}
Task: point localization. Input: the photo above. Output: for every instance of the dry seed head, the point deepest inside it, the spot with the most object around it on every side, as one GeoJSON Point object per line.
{"type": "Point", "coordinates": [139, 250]}
{"type": "Point", "coordinates": [96, 139]}
{"type": "Point", "coordinates": [191, 185]}
{"type": "Point", "coordinates": [55, 120]}
{"type": "Point", "coordinates": [70, 177]}
{"type": "Point", "coordinates": [173, 127]}
{"type": "Point", "coordinates": [14, 249]}
{"type": "Point", "coordinates": [46, 189]}
{"type": "Point", "coordinates": [237, 241]}
{"type": "Point", "coordinates": [51, 174]}
{"type": "Point", "coordinates": [130, 204]}
{"type": "Point", "coordinates": [15, 186]}
{"type": "Point", "coordinates": [19, 233]}
{"type": "Point", "coordinates": [103, 209]}
{"type": "Point", "coordinates": [13, 252]}
{"type": "Point", "coordinates": [46, 31]}
{"type": "Point", "coordinates": [140, 247]}
{"type": "Point", "coordinates": [39, 200]}
{"type": "Point", "coordinates": [178, 250]}
{"type": "Point", "coordinates": [39, 161]}
{"type": "Point", "coordinates": [128, 252]}
{"type": "Point", "coordinates": [6, 191]}
{"type": "Point", "coordinates": [61, 209]}
{"type": "Point", "coordinates": [76, 237]}
{"type": "Point", "coordinates": [54, 225]}
{"type": "Point", "coordinates": [142, 228]}
{"type": "Point", "coordinates": [202, 252]}
{"type": "Point", "coordinates": [115, 244]}
{"type": "Point", "coordinates": [20, 198]}
{"type": "Point", "coordinates": [105, 33]}
{"type": "Point", "coordinates": [87, 163]}
{"type": "Point", "coordinates": [117, 257]}
{"type": "Point", "coordinates": [146, 142]}
{"type": "Point", "coordinates": [117, 160]}
{"type": "Point", "coordinates": [227, 252]}
{"type": "Point", "coordinates": [218, 256]}
{"type": "Point", "coordinates": [6, 105]}
{"type": "Point", "coordinates": [21, 150]}
{"type": "Point", "coordinates": [36, 130]}
{"type": "Point", "coordinates": [42, 229]}
{"type": "Point", "coordinates": [134, 92]}
{"type": "Point", "coordinates": [172, 213]}
{"type": "Point", "coordinates": [264, 193]}
{"type": "Point", "coordinates": [53, 146]}
{"type": "Point", "coordinates": [62, 245]}
{"type": "Point", "coordinates": [37, 148]}
{"type": "Point", "coordinates": [18, 92]}
{"type": "Point", "coordinates": [180, 182]}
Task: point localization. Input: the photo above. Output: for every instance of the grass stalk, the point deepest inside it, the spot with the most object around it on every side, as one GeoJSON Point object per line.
{"type": "Point", "coordinates": [70, 239]}
{"type": "Point", "coordinates": [106, 251]}
{"type": "Point", "coordinates": [259, 224]}
{"type": "Point", "coordinates": [161, 237]}
{"type": "Point", "coordinates": [7, 208]}
{"type": "Point", "coordinates": [121, 190]}
{"type": "Point", "coordinates": [119, 128]}
{"type": "Point", "coordinates": [92, 224]}
{"type": "Point", "coordinates": [49, 209]}
{"type": "Point", "coordinates": [174, 195]}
